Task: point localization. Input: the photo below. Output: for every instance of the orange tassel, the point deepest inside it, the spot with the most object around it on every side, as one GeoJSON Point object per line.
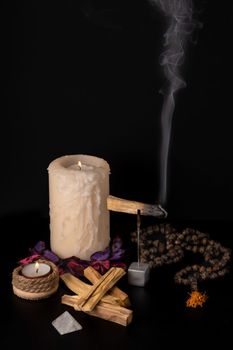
{"type": "Point", "coordinates": [196, 299]}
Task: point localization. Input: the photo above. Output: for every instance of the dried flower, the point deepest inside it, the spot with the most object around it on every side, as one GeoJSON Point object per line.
{"type": "Point", "coordinates": [101, 261]}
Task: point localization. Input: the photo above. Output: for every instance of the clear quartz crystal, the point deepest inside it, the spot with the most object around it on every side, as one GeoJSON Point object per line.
{"type": "Point", "coordinates": [65, 323]}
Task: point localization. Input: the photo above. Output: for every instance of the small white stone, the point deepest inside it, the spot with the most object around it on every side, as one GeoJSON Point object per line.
{"type": "Point", "coordinates": [65, 323]}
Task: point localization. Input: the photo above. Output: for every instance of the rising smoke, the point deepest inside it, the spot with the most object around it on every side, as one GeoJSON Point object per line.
{"type": "Point", "coordinates": [179, 15]}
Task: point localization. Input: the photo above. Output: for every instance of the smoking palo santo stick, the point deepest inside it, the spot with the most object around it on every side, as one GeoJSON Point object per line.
{"type": "Point", "coordinates": [93, 276]}
{"type": "Point", "coordinates": [131, 207]}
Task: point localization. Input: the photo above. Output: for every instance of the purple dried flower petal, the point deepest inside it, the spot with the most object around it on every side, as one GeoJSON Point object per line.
{"type": "Point", "coordinates": [82, 262]}
{"type": "Point", "coordinates": [101, 266]}
{"type": "Point", "coordinates": [74, 268]}
{"type": "Point", "coordinates": [61, 270]}
{"type": "Point", "coordinates": [47, 254]}
{"type": "Point", "coordinates": [39, 247]}
{"type": "Point", "coordinates": [103, 255]}
{"type": "Point", "coordinates": [118, 254]}
{"type": "Point", "coordinates": [119, 264]}
{"type": "Point", "coordinates": [29, 259]}
{"type": "Point", "coordinates": [116, 243]}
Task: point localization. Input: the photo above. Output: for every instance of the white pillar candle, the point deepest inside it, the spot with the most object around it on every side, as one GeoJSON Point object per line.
{"type": "Point", "coordinates": [79, 218]}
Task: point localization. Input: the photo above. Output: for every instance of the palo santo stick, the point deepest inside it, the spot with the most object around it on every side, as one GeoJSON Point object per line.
{"type": "Point", "coordinates": [100, 288]}
{"type": "Point", "coordinates": [132, 207]}
{"type": "Point", "coordinates": [103, 310]}
{"type": "Point", "coordinates": [74, 300]}
{"type": "Point", "coordinates": [117, 314]}
{"type": "Point", "coordinates": [79, 287]}
{"type": "Point", "coordinates": [70, 300]}
{"type": "Point", "coordinates": [93, 276]}
{"type": "Point", "coordinates": [95, 292]}
{"type": "Point", "coordinates": [75, 284]}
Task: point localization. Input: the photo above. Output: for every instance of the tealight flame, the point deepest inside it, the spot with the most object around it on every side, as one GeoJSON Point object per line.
{"type": "Point", "coordinates": [80, 165]}
{"type": "Point", "coordinates": [37, 265]}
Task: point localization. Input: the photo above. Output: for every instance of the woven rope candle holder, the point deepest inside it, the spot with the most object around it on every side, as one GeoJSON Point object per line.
{"type": "Point", "coordinates": [35, 288]}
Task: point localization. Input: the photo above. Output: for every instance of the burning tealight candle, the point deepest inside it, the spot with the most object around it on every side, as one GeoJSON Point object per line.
{"type": "Point", "coordinates": [79, 217]}
{"type": "Point", "coordinates": [35, 270]}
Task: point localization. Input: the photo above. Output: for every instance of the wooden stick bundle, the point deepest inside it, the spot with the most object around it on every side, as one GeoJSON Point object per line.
{"type": "Point", "coordinates": [102, 299]}
{"type": "Point", "coordinates": [113, 313]}
{"type": "Point", "coordinates": [94, 293]}
{"type": "Point", "coordinates": [81, 289]}
{"type": "Point", "coordinates": [116, 293]}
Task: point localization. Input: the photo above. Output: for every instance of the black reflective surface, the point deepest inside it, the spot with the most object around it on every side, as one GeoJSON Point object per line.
{"type": "Point", "coordinates": [160, 317]}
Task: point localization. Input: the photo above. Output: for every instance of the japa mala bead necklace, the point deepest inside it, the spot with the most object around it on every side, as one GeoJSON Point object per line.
{"type": "Point", "coordinates": [162, 244]}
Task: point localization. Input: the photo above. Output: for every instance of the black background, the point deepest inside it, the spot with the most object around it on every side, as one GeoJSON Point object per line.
{"type": "Point", "coordinates": [84, 77]}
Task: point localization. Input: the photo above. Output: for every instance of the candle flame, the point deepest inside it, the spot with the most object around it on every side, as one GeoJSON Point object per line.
{"type": "Point", "coordinates": [80, 165]}
{"type": "Point", "coordinates": [37, 265]}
